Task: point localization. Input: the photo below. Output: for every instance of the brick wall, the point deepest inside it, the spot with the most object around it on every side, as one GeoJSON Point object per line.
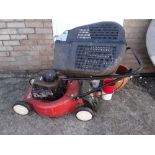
{"type": "Point", "coordinates": [26, 44]}
{"type": "Point", "coordinates": [135, 30]}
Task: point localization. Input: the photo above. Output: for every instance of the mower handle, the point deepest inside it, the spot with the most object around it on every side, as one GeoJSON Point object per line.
{"type": "Point", "coordinates": [140, 63]}
{"type": "Point", "coordinates": [97, 89]}
{"type": "Point", "coordinates": [130, 73]}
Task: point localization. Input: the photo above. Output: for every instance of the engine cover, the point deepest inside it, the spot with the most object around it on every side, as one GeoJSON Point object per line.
{"type": "Point", "coordinates": [48, 86]}
{"type": "Point", "coordinates": [39, 92]}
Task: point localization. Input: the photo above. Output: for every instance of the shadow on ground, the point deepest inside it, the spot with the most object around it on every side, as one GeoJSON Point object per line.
{"type": "Point", "coordinates": [132, 111]}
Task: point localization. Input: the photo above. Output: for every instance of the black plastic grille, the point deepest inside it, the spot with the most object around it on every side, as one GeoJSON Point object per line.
{"type": "Point", "coordinates": [104, 32]}
{"type": "Point", "coordinates": [94, 58]}
{"type": "Point", "coordinates": [83, 34]}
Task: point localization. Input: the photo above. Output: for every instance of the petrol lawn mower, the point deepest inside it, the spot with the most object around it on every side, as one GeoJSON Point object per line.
{"type": "Point", "coordinates": [86, 69]}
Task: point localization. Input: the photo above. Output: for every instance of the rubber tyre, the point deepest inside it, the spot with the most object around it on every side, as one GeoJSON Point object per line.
{"type": "Point", "coordinates": [84, 114]}
{"type": "Point", "coordinates": [22, 108]}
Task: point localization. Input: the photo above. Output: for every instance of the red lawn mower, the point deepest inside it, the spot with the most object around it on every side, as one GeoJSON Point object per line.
{"type": "Point", "coordinates": [86, 69]}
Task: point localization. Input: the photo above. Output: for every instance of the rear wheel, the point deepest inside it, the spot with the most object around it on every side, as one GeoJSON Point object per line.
{"type": "Point", "coordinates": [22, 108]}
{"type": "Point", "coordinates": [84, 114]}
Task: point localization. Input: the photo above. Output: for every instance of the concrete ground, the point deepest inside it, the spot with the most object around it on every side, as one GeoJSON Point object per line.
{"type": "Point", "coordinates": [132, 111]}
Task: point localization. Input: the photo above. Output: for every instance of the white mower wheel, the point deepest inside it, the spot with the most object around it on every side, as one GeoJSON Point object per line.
{"type": "Point", "coordinates": [22, 108]}
{"type": "Point", "coordinates": [84, 114]}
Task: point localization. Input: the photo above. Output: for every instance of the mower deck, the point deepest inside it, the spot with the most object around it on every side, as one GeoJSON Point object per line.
{"type": "Point", "coordinates": [59, 107]}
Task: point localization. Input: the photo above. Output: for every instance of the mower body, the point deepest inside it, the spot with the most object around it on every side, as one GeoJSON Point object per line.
{"type": "Point", "coordinates": [86, 51]}
{"type": "Point", "coordinates": [59, 107]}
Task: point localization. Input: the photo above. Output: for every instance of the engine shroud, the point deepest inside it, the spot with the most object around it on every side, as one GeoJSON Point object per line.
{"type": "Point", "coordinates": [48, 87]}
{"type": "Point", "coordinates": [51, 94]}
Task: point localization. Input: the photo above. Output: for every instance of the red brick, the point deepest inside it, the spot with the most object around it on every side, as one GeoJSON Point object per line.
{"type": "Point", "coordinates": [18, 37]}
{"type": "Point", "coordinates": [48, 52]}
{"type": "Point", "coordinates": [11, 43]}
{"type": "Point", "coordinates": [21, 48]}
{"type": "Point", "coordinates": [4, 37]}
{"type": "Point", "coordinates": [29, 48]}
{"type": "Point", "coordinates": [40, 36]}
{"type": "Point", "coordinates": [28, 42]}
{"type": "Point", "coordinates": [48, 24]}
{"type": "Point", "coordinates": [16, 24]}
{"type": "Point", "coordinates": [6, 48]}
{"type": "Point", "coordinates": [44, 30]}
{"type": "Point", "coordinates": [45, 42]}
{"type": "Point", "coordinates": [25, 30]}
{"type": "Point", "coordinates": [34, 24]}
{"type": "Point", "coordinates": [4, 54]}
{"type": "Point", "coordinates": [8, 31]}
{"type": "Point", "coordinates": [24, 53]}
{"type": "Point", "coordinates": [6, 59]}
{"type": "Point", "coordinates": [2, 24]}
{"type": "Point", "coordinates": [136, 23]}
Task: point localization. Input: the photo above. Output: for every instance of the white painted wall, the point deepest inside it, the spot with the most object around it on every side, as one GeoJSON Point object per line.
{"type": "Point", "coordinates": [60, 25]}
{"type": "Point", "coordinates": [68, 14]}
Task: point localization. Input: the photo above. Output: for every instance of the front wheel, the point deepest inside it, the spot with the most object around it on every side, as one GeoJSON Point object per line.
{"type": "Point", "coordinates": [22, 108]}
{"type": "Point", "coordinates": [84, 114]}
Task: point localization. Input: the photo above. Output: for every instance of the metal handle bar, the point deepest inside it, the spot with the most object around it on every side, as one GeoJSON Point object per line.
{"type": "Point", "coordinates": [140, 63]}
{"type": "Point", "coordinates": [129, 73]}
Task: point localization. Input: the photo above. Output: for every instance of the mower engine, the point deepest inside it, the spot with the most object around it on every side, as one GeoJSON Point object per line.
{"type": "Point", "coordinates": [48, 86]}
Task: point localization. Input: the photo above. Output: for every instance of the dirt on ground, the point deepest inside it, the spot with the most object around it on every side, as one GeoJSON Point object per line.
{"type": "Point", "coordinates": [131, 111]}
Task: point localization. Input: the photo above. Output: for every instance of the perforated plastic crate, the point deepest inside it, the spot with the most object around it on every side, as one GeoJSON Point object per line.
{"type": "Point", "coordinates": [94, 49]}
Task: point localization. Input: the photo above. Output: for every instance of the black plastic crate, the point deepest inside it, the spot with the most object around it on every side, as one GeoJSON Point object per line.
{"type": "Point", "coordinates": [94, 49]}
{"type": "Point", "coordinates": [94, 57]}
